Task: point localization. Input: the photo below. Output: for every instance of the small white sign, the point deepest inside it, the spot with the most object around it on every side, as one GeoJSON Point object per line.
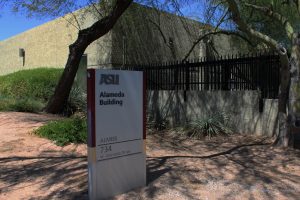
{"type": "Point", "coordinates": [116, 126]}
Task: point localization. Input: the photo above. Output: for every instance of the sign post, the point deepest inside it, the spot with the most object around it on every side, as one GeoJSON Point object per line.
{"type": "Point", "coordinates": [116, 132]}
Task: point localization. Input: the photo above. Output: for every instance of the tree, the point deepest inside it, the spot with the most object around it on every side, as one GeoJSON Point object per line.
{"type": "Point", "coordinates": [267, 23]}
{"type": "Point", "coordinates": [76, 50]}
{"type": "Point", "coordinates": [84, 39]}
{"type": "Point", "coordinates": [289, 92]}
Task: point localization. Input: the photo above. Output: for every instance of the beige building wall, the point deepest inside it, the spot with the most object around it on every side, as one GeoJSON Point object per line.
{"type": "Point", "coordinates": [99, 52]}
{"type": "Point", "coordinates": [48, 45]}
{"type": "Point", "coordinates": [45, 45]}
{"type": "Point", "coordinates": [145, 35]}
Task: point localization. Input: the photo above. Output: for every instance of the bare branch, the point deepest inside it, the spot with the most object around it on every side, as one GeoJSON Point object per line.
{"type": "Point", "coordinates": [95, 8]}
{"type": "Point", "coordinates": [275, 15]}
{"type": "Point", "coordinates": [210, 11]}
{"type": "Point", "coordinates": [77, 22]}
{"type": "Point", "coordinates": [251, 12]}
{"type": "Point", "coordinates": [169, 43]}
{"type": "Point", "coordinates": [297, 2]}
{"type": "Point", "coordinates": [221, 20]}
{"type": "Point", "coordinates": [214, 49]}
{"type": "Point", "coordinates": [215, 33]}
{"type": "Point", "coordinates": [70, 22]}
{"type": "Point", "coordinates": [236, 17]}
{"type": "Point", "coordinates": [75, 18]}
{"type": "Point", "coordinates": [159, 29]}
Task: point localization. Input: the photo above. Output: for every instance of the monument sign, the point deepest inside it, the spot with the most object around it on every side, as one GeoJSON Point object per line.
{"type": "Point", "coordinates": [116, 132]}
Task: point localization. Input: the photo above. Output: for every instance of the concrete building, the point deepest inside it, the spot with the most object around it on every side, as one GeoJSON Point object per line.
{"type": "Point", "coordinates": [142, 35]}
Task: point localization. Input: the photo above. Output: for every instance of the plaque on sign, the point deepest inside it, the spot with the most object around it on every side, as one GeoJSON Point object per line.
{"type": "Point", "coordinates": [116, 132]}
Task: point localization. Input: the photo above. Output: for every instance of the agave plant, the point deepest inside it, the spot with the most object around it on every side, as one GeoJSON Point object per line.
{"type": "Point", "coordinates": [214, 124]}
{"type": "Point", "coordinates": [153, 124]}
{"type": "Point", "coordinates": [76, 101]}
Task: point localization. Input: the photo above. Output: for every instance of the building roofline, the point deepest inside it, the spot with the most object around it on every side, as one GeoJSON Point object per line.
{"type": "Point", "coordinates": [134, 3]}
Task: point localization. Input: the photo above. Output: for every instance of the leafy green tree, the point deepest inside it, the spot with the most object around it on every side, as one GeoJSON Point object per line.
{"type": "Point", "coordinates": [283, 15]}
{"type": "Point", "coordinates": [272, 24]}
{"type": "Point", "coordinates": [267, 25]}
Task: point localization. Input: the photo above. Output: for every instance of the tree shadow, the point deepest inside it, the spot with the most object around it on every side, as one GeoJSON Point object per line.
{"type": "Point", "coordinates": [215, 170]}
{"type": "Point", "coordinates": [247, 170]}
{"type": "Point", "coordinates": [47, 174]}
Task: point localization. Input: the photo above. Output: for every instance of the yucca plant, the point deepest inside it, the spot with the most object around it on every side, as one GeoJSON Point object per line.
{"type": "Point", "coordinates": [214, 124]}
{"type": "Point", "coordinates": [76, 101]}
{"type": "Point", "coordinates": [153, 124]}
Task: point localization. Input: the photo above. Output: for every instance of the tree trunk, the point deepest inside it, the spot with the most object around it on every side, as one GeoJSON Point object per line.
{"type": "Point", "coordinates": [289, 96]}
{"type": "Point", "coordinates": [283, 100]}
{"type": "Point", "coordinates": [289, 92]}
{"type": "Point", "coordinates": [294, 93]}
{"type": "Point", "coordinates": [62, 90]}
{"type": "Point", "coordinates": [76, 50]}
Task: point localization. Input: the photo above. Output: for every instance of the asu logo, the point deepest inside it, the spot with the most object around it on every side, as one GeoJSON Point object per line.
{"type": "Point", "coordinates": [109, 79]}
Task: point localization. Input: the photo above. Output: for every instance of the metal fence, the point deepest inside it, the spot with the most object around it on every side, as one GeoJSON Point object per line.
{"type": "Point", "coordinates": [239, 72]}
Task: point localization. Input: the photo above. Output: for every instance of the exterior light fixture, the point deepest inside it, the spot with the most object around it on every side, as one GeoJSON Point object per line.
{"type": "Point", "coordinates": [22, 55]}
{"type": "Point", "coordinates": [21, 52]}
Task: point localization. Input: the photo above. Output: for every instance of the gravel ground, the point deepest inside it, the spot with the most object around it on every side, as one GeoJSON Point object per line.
{"type": "Point", "coordinates": [236, 167]}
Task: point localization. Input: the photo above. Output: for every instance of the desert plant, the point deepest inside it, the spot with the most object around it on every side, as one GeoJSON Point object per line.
{"type": "Point", "coordinates": [214, 124]}
{"type": "Point", "coordinates": [29, 90]}
{"type": "Point", "coordinates": [20, 105]}
{"type": "Point", "coordinates": [76, 102]}
{"type": "Point", "coordinates": [156, 124]}
{"type": "Point", "coordinates": [36, 83]}
{"type": "Point", "coordinates": [65, 131]}
{"type": "Point", "coordinates": [27, 105]}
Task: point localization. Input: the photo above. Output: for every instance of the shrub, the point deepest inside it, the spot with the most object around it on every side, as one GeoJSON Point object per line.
{"type": "Point", "coordinates": [213, 125]}
{"type": "Point", "coordinates": [5, 103]}
{"type": "Point", "coordinates": [65, 131]}
{"type": "Point", "coordinates": [29, 90]}
{"type": "Point", "coordinates": [20, 105]}
{"type": "Point", "coordinates": [76, 101]}
{"type": "Point", "coordinates": [27, 105]}
{"type": "Point", "coordinates": [156, 122]}
{"type": "Point", "coordinates": [37, 84]}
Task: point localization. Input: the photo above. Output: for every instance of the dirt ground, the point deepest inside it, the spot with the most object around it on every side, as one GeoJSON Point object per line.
{"type": "Point", "coordinates": [238, 167]}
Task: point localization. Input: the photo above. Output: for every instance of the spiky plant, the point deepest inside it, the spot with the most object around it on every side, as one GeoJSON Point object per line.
{"type": "Point", "coordinates": [214, 124]}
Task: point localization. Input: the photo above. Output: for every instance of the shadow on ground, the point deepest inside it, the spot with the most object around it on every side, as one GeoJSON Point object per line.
{"type": "Point", "coordinates": [245, 168]}
{"type": "Point", "coordinates": [228, 169]}
{"type": "Point", "coordinates": [59, 177]}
